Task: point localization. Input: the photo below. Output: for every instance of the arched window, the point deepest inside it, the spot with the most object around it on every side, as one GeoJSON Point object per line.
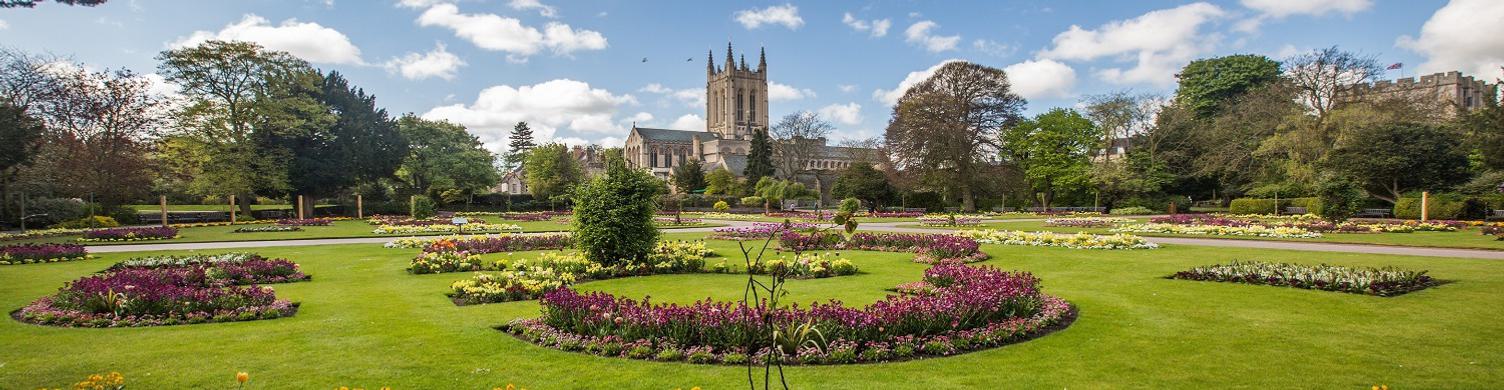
{"type": "Point", "coordinates": [654, 158]}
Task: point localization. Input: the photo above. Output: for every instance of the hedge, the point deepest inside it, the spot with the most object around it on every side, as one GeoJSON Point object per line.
{"type": "Point", "coordinates": [1267, 206]}
{"type": "Point", "coordinates": [1442, 207]}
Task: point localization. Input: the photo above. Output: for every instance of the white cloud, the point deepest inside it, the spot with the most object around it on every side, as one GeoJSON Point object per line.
{"type": "Point", "coordinates": [919, 34]}
{"type": "Point", "coordinates": [4, 24]}
{"type": "Point", "coordinates": [784, 92]}
{"type": "Point", "coordinates": [1279, 9]}
{"type": "Point", "coordinates": [846, 114]}
{"type": "Point", "coordinates": [552, 108]}
{"type": "Point", "coordinates": [611, 142]}
{"type": "Point", "coordinates": [877, 28]}
{"type": "Point", "coordinates": [688, 122]}
{"type": "Point", "coordinates": [641, 117]}
{"type": "Point", "coordinates": [847, 88]}
{"type": "Point", "coordinates": [544, 10]}
{"type": "Point", "coordinates": [692, 97]}
{"type": "Point", "coordinates": [307, 40]}
{"type": "Point", "coordinates": [419, 4]}
{"type": "Point", "coordinates": [1463, 35]}
{"type": "Point", "coordinates": [1038, 79]}
{"type": "Point", "coordinates": [494, 32]}
{"type": "Point", "coordinates": [1161, 41]}
{"type": "Point", "coordinates": [786, 15]}
{"type": "Point", "coordinates": [890, 96]}
{"type": "Point", "coordinates": [437, 63]}
{"type": "Point", "coordinates": [992, 48]}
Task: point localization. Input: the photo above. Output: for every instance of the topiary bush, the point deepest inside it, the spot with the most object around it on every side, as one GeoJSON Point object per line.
{"type": "Point", "coordinates": [721, 206]}
{"type": "Point", "coordinates": [1338, 198]}
{"type": "Point", "coordinates": [613, 215]}
{"type": "Point", "coordinates": [423, 207]}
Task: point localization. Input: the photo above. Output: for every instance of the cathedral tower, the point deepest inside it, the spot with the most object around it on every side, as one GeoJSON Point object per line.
{"type": "Point", "coordinates": [736, 96]}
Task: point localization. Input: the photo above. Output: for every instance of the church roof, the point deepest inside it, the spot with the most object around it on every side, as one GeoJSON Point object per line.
{"type": "Point", "coordinates": [652, 134]}
{"type": "Point", "coordinates": [736, 163]}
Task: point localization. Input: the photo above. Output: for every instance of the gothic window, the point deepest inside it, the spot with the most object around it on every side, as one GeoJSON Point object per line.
{"type": "Point", "coordinates": [738, 108]}
{"type": "Point", "coordinates": [753, 105]}
{"type": "Point", "coordinates": [654, 158]}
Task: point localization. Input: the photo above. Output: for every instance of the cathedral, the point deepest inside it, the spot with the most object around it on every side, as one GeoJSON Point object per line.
{"type": "Point", "coordinates": [736, 106]}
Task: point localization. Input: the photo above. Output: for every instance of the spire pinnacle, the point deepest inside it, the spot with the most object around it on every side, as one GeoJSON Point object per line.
{"type": "Point", "coordinates": [762, 59]}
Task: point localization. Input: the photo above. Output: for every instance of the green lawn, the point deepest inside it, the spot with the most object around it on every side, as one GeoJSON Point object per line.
{"type": "Point", "coordinates": [1467, 239]}
{"type": "Point", "coordinates": [365, 322]}
{"type": "Point", "coordinates": [338, 229]}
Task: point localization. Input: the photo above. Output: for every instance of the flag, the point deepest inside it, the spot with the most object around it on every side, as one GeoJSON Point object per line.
{"type": "Point", "coordinates": [1396, 65]}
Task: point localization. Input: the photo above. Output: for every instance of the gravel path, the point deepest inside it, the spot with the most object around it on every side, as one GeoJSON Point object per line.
{"type": "Point", "coordinates": [881, 226]}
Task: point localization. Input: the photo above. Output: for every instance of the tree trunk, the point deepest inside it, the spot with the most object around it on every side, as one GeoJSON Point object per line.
{"type": "Point", "coordinates": [243, 201]}
{"type": "Point", "coordinates": [968, 202]}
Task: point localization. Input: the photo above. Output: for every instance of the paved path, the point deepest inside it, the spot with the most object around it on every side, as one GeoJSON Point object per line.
{"type": "Point", "coordinates": [882, 226]}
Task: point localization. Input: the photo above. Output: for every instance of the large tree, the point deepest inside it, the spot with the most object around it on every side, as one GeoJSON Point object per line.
{"type": "Point", "coordinates": [347, 141]}
{"type": "Point", "coordinates": [613, 214]}
{"type": "Point", "coordinates": [1320, 77]}
{"type": "Point", "coordinates": [1207, 84]}
{"type": "Point", "coordinates": [689, 176]}
{"type": "Point", "coordinates": [864, 182]}
{"type": "Point", "coordinates": [946, 126]}
{"type": "Point", "coordinates": [759, 158]}
{"type": "Point", "coordinates": [1392, 159]}
{"type": "Point", "coordinates": [100, 125]}
{"type": "Point", "coordinates": [1053, 150]}
{"type": "Point", "coordinates": [521, 143]}
{"type": "Point", "coordinates": [20, 136]}
{"type": "Point", "coordinates": [443, 157]}
{"type": "Point", "coordinates": [722, 182]}
{"type": "Point", "coordinates": [238, 92]}
{"type": "Point", "coordinates": [551, 170]}
{"type": "Point", "coordinates": [1485, 129]}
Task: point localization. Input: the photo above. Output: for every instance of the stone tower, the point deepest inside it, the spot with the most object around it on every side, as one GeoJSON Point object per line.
{"type": "Point", "coordinates": [736, 96]}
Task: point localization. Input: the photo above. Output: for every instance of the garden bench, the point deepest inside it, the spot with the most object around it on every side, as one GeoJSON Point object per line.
{"type": "Point", "coordinates": [1374, 213]}
{"type": "Point", "coordinates": [1494, 215]}
{"type": "Point", "coordinates": [1295, 210]}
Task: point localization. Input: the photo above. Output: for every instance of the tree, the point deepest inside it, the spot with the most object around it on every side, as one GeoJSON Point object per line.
{"type": "Point", "coordinates": [232, 91]}
{"type": "Point", "coordinates": [442, 156]}
{"type": "Point", "coordinates": [356, 143]}
{"type": "Point", "coordinates": [689, 176]}
{"type": "Point", "coordinates": [1121, 115]}
{"type": "Point", "coordinates": [613, 215]}
{"type": "Point", "coordinates": [863, 182]}
{"type": "Point", "coordinates": [20, 136]}
{"type": "Point", "coordinates": [759, 158]}
{"type": "Point", "coordinates": [33, 3]}
{"type": "Point", "coordinates": [520, 145]}
{"type": "Point", "coordinates": [551, 170]}
{"type": "Point", "coordinates": [1485, 129]}
{"type": "Point", "coordinates": [1389, 160]}
{"type": "Point", "coordinates": [721, 181]}
{"type": "Point", "coordinates": [1053, 150]}
{"type": "Point", "coordinates": [1340, 197]}
{"type": "Point", "coordinates": [801, 136]}
{"type": "Point", "coordinates": [99, 125]}
{"type": "Point", "coordinates": [946, 126]}
{"type": "Point", "coordinates": [1320, 76]}
{"type": "Point", "coordinates": [1206, 84]}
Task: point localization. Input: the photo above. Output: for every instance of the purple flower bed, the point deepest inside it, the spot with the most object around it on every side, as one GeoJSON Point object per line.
{"type": "Point", "coordinates": [1199, 219]}
{"type": "Point", "coordinates": [526, 217]}
{"type": "Point", "coordinates": [970, 308]}
{"type": "Point", "coordinates": [130, 234]}
{"type": "Point", "coordinates": [505, 243]}
{"type": "Point", "coordinates": [929, 248]}
{"type": "Point", "coordinates": [41, 253]}
{"type": "Point", "coordinates": [183, 291]}
{"type": "Point", "coordinates": [757, 231]}
{"type": "Point", "coordinates": [305, 222]}
{"type": "Point", "coordinates": [897, 214]}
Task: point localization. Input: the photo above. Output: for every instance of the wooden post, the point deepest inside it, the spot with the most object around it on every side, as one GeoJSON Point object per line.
{"type": "Point", "coordinates": [163, 200]}
{"type": "Point", "coordinates": [1425, 205]}
{"type": "Point", "coordinates": [412, 206]}
{"type": "Point", "coordinates": [232, 209]}
{"type": "Point", "coordinates": [300, 207]}
{"type": "Point", "coordinates": [1172, 208]}
{"type": "Point", "coordinates": [360, 212]}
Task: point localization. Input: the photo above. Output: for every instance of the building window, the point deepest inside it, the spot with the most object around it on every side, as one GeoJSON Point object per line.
{"type": "Point", "coordinates": [654, 158]}
{"type": "Point", "coordinates": [753, 105]}
{"type": "Point", "coordinates": [738, 108]}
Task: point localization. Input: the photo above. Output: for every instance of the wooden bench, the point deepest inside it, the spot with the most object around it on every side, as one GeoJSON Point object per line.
{"type": "Point", "coordinates": [1295, 210]}
{"type": "Point", "coordinates": [1494, 215]}
{"type": "Point", "coordinates": [1374, 213]}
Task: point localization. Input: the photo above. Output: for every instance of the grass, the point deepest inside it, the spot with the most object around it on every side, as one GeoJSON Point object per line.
{"type": "Point", "coordinates": [1465, 239]}
{"type": "Point", "coordinates": [338, 229]}
{"type": "Point", "coordinates": [364, 322]}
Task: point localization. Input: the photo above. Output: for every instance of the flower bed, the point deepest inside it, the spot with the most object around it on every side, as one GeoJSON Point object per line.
{"type": "Point", "coordinates": [928, 248]}
{"type": "Point", "coordinates": [1086, 222]}
{"type": "Point", "coordinates": [970, 308]}
{"type": "Point", "coordinates": [1200, 219]}
{"type": "Point", "coordinates": [895, 214]}
{"type": "Point", "coordinates": [170, 291]}
{"type": "Point", "coordinates": [1063, 240]}
{"type": "Point", "coordinates": [758, 231]}
{"type": "Point", "coordinates": [268, 229]}
{"type": "Point", "coordinates": [681, 221]}
{"type": "Point", "coordinates": [1213, 230]}
{"type": "Point", "coordinates": [305, 222]}
{"type": "Point", "coordinates": [529, 278]}
{"type": "Point", "coordinates": [41, 253]}
{"type": "Point", "coordinates": [804, 266]}
{"type": "Point", "coordinates": [1384, 282]}
{"type": "Point", "coordinates": [130, 234]}
{"type": "Point", "coordinates": [431, 229]}
{"type": "Point", "coordinates": [499, 243]}
{"type": "Point", "coordinates": [950, 220]}
{"type": "Point", "coordinates": [527, 217]}
{"type": "Point", "coordinates": [39, 233]}
{"type": "Point", "coordinates": [728, 216]}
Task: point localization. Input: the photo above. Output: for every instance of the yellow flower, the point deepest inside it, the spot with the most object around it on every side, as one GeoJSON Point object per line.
{"type": "Point", "coordinates": [242, 377]}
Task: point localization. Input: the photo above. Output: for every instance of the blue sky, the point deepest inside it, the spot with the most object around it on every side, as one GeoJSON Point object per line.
{"type": "Point", "coordinates": [575, 69]}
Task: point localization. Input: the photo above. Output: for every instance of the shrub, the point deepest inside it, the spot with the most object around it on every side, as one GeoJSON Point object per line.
{"type": "Point", "coordinates": [752, 201]}
{"type": "Point", "coordinates": [1132, 210]}
{"type": "Point", "coordinates": [1252, 206]}
{"type": "Point", "coordinates": [94, 222]}
{"type": "Point", "coordinates": [613, 215]}
{"type": "Point", "coordinates": [721, 206]}
{"type": "Point", "coordinates": [1339, 197]}
{"type": "Point", "coordinates": [850, 205]}
{"type": "Point", "coordinates": [422, 207]}
{"type": "Point", "coordinates": [1385, 282]}
{"type": "Point", "coordinates": [53, 210]}
{"type": "Point", "coordinates": [1443, 206]}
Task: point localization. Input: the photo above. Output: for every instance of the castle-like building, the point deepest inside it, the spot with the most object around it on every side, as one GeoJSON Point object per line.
{"type": "Point", "coordinates": [736, 106]}
{"type": "Point", "coordinates": [1450, 91]}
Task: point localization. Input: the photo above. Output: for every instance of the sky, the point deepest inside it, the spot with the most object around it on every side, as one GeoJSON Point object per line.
{"type": "Point", "coordinates": [584, 72]}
